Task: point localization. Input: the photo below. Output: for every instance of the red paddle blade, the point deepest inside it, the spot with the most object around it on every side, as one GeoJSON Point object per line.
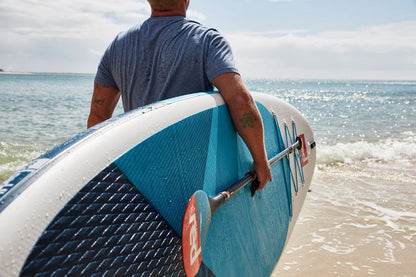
{"type": "Point", "coordinates": [191, 241]}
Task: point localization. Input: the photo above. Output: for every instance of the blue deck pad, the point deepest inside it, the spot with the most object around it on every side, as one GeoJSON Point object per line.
{"type": "Point", "coordinates": [205, 152]}
{"type": "Point", "coordinates": [169, 166]}
{"type": "Point", "coordinates": [228, 156]}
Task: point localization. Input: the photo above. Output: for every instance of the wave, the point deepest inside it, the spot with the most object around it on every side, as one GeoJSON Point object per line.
{"type": "Point", "coordinates": [403, 149]}
{"type": "Point", "coordinates": [13, 156]}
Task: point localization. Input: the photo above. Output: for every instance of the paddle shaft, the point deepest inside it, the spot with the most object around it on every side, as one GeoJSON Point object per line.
{"type": "Point", "coordinates": [223, 196]}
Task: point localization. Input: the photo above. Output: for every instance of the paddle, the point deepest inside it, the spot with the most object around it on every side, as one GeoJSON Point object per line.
{"type": "Point", "coordinates": [201, 207]}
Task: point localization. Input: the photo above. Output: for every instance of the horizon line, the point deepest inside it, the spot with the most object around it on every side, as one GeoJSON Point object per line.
{"type": "Point", "coordinates": [247, 78]}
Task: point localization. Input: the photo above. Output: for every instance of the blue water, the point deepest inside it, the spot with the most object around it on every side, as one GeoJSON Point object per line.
{"type": "Point", "coordinates": [350, 110]}
{"type": "Point", "coordinates": [45, 109]}
{"type": "Point", "coordinates": [366, 145]}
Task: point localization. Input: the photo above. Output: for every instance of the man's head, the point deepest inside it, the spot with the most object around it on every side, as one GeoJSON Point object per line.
{"type": "Point", "coordinates": [167, 5]}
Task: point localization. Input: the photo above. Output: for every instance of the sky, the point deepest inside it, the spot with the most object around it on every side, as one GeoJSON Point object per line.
{"type": "Point", "coordinates": [279, 39]}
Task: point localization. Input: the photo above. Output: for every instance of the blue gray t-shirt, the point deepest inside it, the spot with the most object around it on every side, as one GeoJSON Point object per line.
{"type": "Point", "coordinates": [162, 58]}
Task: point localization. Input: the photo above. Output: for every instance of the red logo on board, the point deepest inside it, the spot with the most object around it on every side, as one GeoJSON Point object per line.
{"type": "Point", "coordinates": [303, 151]}
{"type": "Point", "coordinates": [191, 242]}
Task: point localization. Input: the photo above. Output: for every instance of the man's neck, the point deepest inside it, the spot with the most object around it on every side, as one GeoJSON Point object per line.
{"type": "Point", "coordinates": [179, 10]}
{"type": "Point", "coordinates": [176, 12]}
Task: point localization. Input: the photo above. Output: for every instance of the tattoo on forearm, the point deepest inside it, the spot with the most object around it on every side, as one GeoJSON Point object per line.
{"type": "Point", "coordinates": [99, 101]}
{"type": "Point", "coordinates": [248, 120]}
{"type": "Point", "coordinates": [98, 88]}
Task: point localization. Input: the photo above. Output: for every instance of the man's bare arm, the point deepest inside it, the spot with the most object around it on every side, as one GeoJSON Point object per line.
{"type": "Point", "coordinates": [247, 121]}
{"type": "Point", "coordinates": [104, 101]}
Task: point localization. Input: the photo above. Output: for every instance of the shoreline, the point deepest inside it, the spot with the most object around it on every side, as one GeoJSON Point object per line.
{"type": "Point", "coordinates": [14, 73]}
{"type": "Point", "coordinates": [44, 73]}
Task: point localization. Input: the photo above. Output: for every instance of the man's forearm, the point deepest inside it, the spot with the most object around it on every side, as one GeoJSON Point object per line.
{"type": "Point", "coordinates": [247, 121]}
{"type": "Point", "coordinates": [104, 101]}
{"type": "Point", "coordinates": [249, 125]}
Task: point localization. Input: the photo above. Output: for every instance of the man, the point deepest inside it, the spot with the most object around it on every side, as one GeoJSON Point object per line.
{"type": "Point", "coordinates": [169, 55]}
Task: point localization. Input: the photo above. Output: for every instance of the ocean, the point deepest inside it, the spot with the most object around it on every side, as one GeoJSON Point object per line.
{"type": "Point", "coordinates": [359, 218]}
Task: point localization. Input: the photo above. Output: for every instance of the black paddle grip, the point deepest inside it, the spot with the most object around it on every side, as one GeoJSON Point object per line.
{"type": "Point", "coordinates": [254, 186]}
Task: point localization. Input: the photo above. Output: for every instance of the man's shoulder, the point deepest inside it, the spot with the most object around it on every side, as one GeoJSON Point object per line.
{"type": "Point", "coordinates": [131, 31]}
{"type": "Point", "coordinates": [201, 26]}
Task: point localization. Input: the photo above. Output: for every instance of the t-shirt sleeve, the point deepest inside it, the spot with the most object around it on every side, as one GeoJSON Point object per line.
{"type": "Point", "coordinates": [104, 74]}
{"type": "Point", "coordinates": [220, 57]}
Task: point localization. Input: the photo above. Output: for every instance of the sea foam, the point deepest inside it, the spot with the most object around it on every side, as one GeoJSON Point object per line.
{"type": "Point", "coordinates": [403, 149]}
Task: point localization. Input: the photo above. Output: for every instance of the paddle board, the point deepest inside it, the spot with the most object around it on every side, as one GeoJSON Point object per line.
{"type": "Point", "coordinates": [111, 200]}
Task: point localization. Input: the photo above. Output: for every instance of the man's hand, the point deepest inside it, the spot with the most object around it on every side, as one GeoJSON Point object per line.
{"type": "Point", "coordinates": [263, 174]}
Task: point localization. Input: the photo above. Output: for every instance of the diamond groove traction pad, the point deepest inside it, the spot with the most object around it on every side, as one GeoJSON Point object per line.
{"type": "Point", "coordinates": [107, 229]}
